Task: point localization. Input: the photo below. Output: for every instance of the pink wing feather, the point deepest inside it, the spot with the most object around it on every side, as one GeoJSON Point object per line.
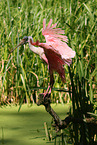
{"type": "Point", "coordinates": [58, 41]}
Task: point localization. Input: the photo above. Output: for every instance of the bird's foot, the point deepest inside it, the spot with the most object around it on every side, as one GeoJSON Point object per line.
{"type": "Point", "coordinates": [44, 98]}
{"type": "Point", "coordinates": [46, 95]}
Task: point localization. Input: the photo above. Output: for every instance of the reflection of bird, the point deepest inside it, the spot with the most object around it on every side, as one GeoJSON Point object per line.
{"type": "Point", "coordinates": [55, 52]}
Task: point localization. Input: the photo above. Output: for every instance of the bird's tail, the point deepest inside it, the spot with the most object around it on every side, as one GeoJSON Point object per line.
{"type": "Point", "coordinates": [67, 61]}
{"type": "Point", "coordinates": [61, 72]}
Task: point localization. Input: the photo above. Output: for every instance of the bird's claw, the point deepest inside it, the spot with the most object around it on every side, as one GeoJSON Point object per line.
{"type": "Point", "coordinates": [46, 95]}
{"type": "Point", "coordinates": [43, 99]}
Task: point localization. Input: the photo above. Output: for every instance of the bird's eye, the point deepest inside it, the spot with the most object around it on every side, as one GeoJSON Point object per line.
{"type": "Point", "coordinates": [25, 38]}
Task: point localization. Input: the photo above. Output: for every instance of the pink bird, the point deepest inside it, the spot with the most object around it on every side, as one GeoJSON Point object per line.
{"type": "Point", "coordinates": [55, 52]}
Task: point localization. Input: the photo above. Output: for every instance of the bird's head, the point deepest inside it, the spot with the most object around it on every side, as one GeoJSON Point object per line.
{"type": "Point", "coordinates": [26, 39]}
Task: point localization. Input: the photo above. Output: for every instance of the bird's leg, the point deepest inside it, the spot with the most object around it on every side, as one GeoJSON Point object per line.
{"type": "Point", "coordinates": [51, 81]}
{"type": "Point", "coordinates": [48, 91]}
{"type": "Point", "coordinates": [45, 94]}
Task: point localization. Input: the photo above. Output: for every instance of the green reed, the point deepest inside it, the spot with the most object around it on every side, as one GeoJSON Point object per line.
{"type": "Point", "coordinates": [22, 71]}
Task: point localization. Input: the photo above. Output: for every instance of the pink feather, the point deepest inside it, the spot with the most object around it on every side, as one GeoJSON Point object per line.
{"type": "Point", "coordinates": [58, 41]}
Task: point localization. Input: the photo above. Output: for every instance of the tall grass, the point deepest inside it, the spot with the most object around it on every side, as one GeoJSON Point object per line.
{"type": "Point", "coordinates": [19, 19]}
{"type": "Point", "coordinates": [25, 18]}
{"type": "Point", "coordinates": [23, 75]}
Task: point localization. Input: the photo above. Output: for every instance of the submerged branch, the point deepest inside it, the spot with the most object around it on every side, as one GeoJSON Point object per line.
{"type": "Point", "coordinates": [60, 124]}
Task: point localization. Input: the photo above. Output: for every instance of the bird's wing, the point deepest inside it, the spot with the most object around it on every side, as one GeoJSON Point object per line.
{"type": "Point", "coordinates": [54, 36]}
{"type": "Point", "coordinates": [54, 60]}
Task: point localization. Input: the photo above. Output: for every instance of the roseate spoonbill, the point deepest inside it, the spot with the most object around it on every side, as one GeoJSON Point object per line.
{"type": "Point", "coordinates": [55, 52]}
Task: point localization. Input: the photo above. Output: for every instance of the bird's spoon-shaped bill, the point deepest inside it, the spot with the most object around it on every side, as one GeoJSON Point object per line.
{"type": "Point", "coordinates": [21, 43]}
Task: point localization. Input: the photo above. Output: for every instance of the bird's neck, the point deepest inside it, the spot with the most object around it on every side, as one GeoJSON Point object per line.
{"type": "Point", "coordinates": [33, 48]}
{"type": "Point", "coordinates": [37, 50]}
